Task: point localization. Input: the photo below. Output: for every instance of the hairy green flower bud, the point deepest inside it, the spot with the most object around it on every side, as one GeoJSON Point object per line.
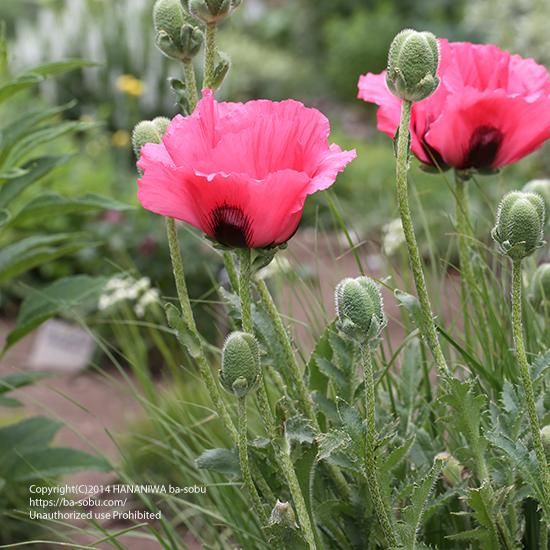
{"type": "Point", "coordinates": [545, 436]}
{"type": "Point", "coordinates": [539, 290]}
{"type": "Point", "coordinates": [452, 469]}
{"type": "Point", "coordinates": [149, 131]}
{"type": "Point", "coordinates": [283, 514]}
{"type": "Point", "coordinates": [210, 11]}
{"type": "Point", "coordinates": [541, 187]}
{"type": "Point", "coordinates": [240, 372]}
{"type": "Point", "coordinates": [520, 224]}
{"type": "Point", "coordinates": [413, 60]}
{"type": "Point", "coordinates": [177, 37]}
{"type": "Point", "coordinates": [360, 310]}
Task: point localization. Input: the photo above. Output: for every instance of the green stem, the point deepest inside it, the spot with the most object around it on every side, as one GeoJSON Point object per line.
{"type": "Point", "coordinates": [544, 536]}
{"type": "Point", "coordinates": [517, 325]}
{"type": "Point", "coordinates": [427, 327]}
{"type": "Point", "coordinates": [191, 82]}
{"type": "Point", "coordinates": [371, 467]}
{"type": "Point", "coordinates": [297, 377]}
{"type": "Point", "coordinates": [210, 55]}
{"type": "Point", "coordinates": [244, 289]}
{"type": "Point", "coordinates": [245, 466]}
{"type": "Point", "coordinates": [187, 313]}
{"type": "Point", "coordinates": [231, 271]}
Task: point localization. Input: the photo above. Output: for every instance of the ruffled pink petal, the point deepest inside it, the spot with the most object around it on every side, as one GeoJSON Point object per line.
{"type": "Point", "coordinates": [522, 126]}
{"type": "Point", "coordinates": [268, 212]}
{"type": "Point", "coordinates": [331, 165]}
{"type": "Point", "coordinates": [161, 188]}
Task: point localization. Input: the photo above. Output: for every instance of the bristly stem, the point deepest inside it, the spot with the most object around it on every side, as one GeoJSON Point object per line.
{"type": "Point", "coordinates": [523, 363]}
{"type": "Point", "coordinates": [371, 467]}
{"type": "Point", "coordinates": [244, 289]}
{"type": "Point", "coordinates": [245, 466]}
{"type": "Point", "coordinates": [191, 83]}
{"type": "Point", "coordinates": [210, 55]}
{"type": "Point", "coordinates": [189, 319]}
{"type": "Point", "coordinates": [427, 327]}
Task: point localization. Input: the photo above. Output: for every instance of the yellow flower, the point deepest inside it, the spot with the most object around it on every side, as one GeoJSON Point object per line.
{"type": "Point", "coordinates": [130, 85]}
{"type": "Point", "coordinates": [121, 138]}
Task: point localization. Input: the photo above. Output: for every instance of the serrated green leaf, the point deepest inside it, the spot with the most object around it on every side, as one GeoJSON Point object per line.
{"type": "Point", "coordinates": [396, 456]}
{"type": "Point", "coordinates": [483, 507]}
{"type": "Point", "coordinates": [186, 337]}
{"type": "Point", "coordinates": [335, 441]}
{"type": "Point", "coordinates": [223, 461]}
{"type": "Point", "coordinates": [299, 429]}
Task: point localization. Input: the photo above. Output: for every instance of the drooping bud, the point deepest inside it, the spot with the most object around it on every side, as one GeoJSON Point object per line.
{"type": "Point", "coordinates": [452, 469]}
{"type": "Point", "coordinates": [210, 11]}
{"type": "Point", "coordinates": [148, 131]}
{"type": "Point", "coordinates": [541, 187]}
{"type": "Point", "coordinates": [519, 224]}
{"type": "Point", "coordinates": [539, 290]}
{"type": "Point", "coordinates": [177, 37]}
{"type": "Point", "coordinates": [240, 372]}
{"type": "Point", "coordinates": [283, 515]}
{"type": "Point", "coordinates": [359, 308]}
{"type": "Point", "coordinates": [545, 436]}
{"type": "Point", "coordinates": [413, 60]}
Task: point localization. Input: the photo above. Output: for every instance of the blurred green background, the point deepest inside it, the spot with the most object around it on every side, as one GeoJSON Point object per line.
{"type": "Point", "coordinates": [313, 50]}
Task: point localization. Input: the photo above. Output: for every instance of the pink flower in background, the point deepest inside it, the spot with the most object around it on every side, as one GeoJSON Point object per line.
{"type": "Point", "coordinates": [240, 172]}
{"type": "Point", "coordinates": [491, 108]}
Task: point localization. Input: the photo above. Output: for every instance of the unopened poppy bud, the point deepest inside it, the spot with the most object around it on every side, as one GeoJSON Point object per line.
{"type": "Point", "coordinates": [520, 224]}
{"type": "Point", "coordinates": [359, 308]}
{"type": "Point", "coordinates": [413, 60]}
{"type": "Point", "coordinates": [545, 436]}
{"type": "Point", "coordinates": [539, 290]}
{"type": "Point", "coordinates": [177, 37]}
{"type": "Point", "coordinates": [148, 131]}
{"type": "Point", "coordinates": [541, 187]}
{"type": "Point", "coordinates": [210, 11]}
{"type": "Point", "coordinates": [240, 372]}
{"type": "Point", "coordinates": [452, 470]}
{"type": "Point", "coordinates": [283, 515]}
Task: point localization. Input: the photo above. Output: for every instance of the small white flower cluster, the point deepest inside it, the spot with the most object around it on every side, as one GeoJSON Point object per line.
{"type": "Point", "coordinates": [393, 237]}
{"type": "Point", "coordinates": [124, 287]}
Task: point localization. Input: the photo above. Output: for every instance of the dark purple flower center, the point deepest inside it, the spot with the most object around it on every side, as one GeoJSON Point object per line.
{"type": "Point", "coordinates": [230, 226]}
{"type": "Point", "coordinates": [483, 148]}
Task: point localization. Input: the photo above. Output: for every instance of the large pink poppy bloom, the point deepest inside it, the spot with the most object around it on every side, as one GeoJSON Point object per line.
{"type": "Point", "coordinates": [240, 172]}
{"type": "Point", "coordinates": [491, 108]}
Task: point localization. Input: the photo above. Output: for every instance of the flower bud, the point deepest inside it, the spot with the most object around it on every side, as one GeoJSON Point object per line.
{"type": "Point", "coordinates": [452, 469]}
{"type": "Point", "coordinates": [177, 37]}
{"type": "Point", "coordinates": [541, 187]}
{"type": "Point", "coordinates": [240, 372]}
{"type": "Point", "coordinates": [283, 515]}
{"type": "Point", "coordinates": [539, 290]}
{"type": "Point", "coordinates": [359, 308]}
{"type": "Point", "coordinates": [210, 11]}
{"type": "Point", "coordinates": [149, 131]}
{"type": "Point", "coordinates": [520, 224]}
{"type": "Point", "coordinates": [413, 60]}
{"type": "Point", "coordinates": [545, 436]}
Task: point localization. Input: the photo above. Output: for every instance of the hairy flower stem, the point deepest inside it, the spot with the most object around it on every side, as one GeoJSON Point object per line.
{"type": "Point", "coordinates": [297, 377]}
{"type": "Point", "coordinates": [517, 326]}
{"type": "Point", "coordinates": [188, 317]}
{"type": "Point", "coordinates": [371, 467]}
{"type": "Point", "coordinates": [245, 467]}
{"type": "Point", "coordinates": [427, 328]}
{"type": "Point", "coordinates": [210, 55]}
{"type": "Point", "coordinates": [191, 83]}
{"type": "Point", "coordinates": [281, 449]}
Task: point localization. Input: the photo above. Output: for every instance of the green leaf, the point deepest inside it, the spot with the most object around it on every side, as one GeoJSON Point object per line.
{"type": "Point", "coordinates": [223, 461]}
{"type": "Point", "coordinates": [34, 170]}
{"type": "Point", "coordinates": [53, 462]}
{"type": "Point", "coordinates": [299, 429]}
{"type": "Point", "coordinates": [19, 84]}
{"type": "Point", "coordinates": [71, 296]}
{"type": "Point", "coordinates": [33, 251]}
{"type": "Point", "coordinates": [19, 380]}
{"type": "Point", "coordinates": [57, 68]}
{"type": "Point", "coordinates": [43, 206]}
{"type": "Point", "coordinates": [27, 435]}
{"type": "Point", "coordinates": [396, 456]}
{"type": "Point", "coordinates": [481, 501]}
{"type": "Point", "coordinates": [330, 443]}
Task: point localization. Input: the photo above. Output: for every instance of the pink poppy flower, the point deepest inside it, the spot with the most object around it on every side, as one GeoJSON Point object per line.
{"type": "Point", "coordinates": [240, 172]}
{"type": "Point", "coordinates": [491, 108]}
